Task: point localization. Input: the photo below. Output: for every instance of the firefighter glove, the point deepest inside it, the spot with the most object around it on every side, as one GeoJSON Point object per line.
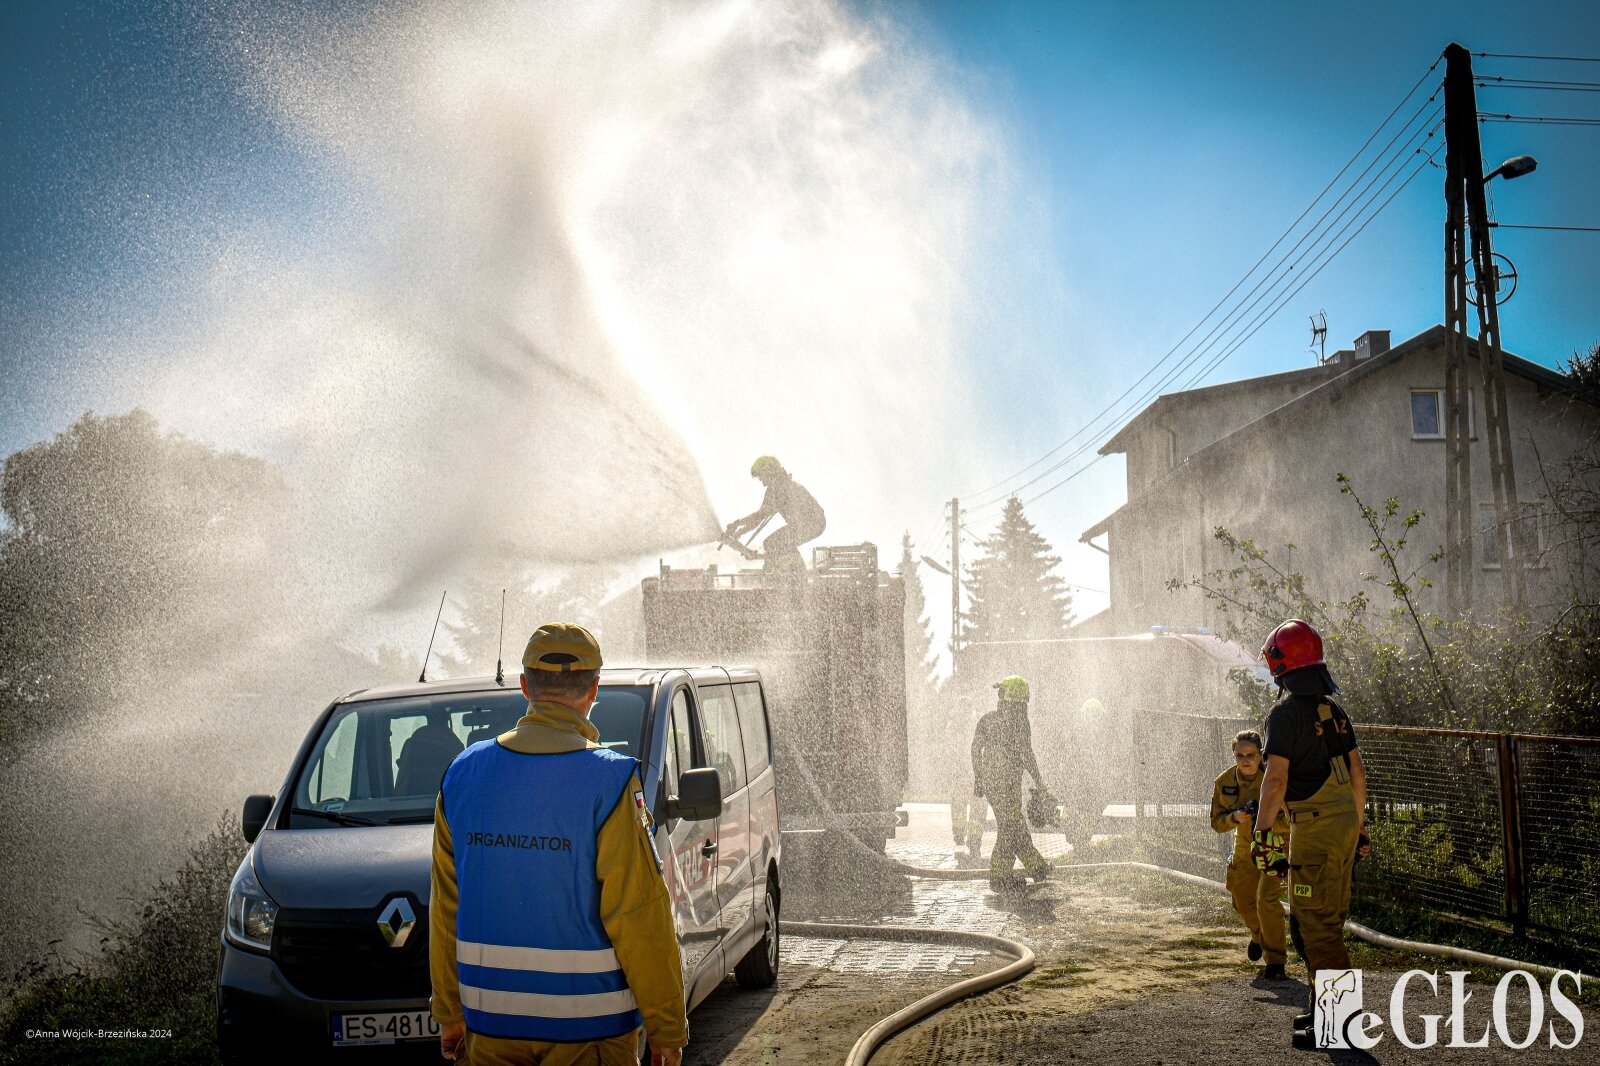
{"type": "Point", "coordinates": [1267, 852]}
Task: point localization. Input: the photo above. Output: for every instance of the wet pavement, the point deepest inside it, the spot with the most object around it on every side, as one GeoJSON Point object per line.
{"type": "Point", "coordinates": [928, 841]}
{"type": "Point", "coordinates": [931, 904]}
{"type": "Point", "coordinates": [1132, 968]}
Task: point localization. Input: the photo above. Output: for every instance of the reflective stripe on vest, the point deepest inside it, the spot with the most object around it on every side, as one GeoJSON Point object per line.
{"type": "Point", "coordinates": [508, 958]}
{"type": "Point", "coordinates": [532, 956]}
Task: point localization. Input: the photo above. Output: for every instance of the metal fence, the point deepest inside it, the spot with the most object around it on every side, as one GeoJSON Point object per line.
{"type": "Point", "coordinates": [1495, 825]}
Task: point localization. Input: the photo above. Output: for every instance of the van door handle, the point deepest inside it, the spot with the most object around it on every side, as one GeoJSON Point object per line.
{"type": "Point", "coordinates": [708, 849]}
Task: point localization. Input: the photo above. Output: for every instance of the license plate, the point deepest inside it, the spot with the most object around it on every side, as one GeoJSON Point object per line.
{"type": "Point", "coordinates": [384, 1027]}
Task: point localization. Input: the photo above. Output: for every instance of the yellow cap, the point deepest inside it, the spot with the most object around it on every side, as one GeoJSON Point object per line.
{"type": "Point", "coordinates": [561, 647]}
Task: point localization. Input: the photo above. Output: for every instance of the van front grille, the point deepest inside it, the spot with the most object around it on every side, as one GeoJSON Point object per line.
{"type": "Point", "coordinates": [342, 955]}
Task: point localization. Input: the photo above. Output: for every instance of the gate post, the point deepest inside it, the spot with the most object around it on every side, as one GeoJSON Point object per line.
{"type": "Point", "coordinates": [1511, 833]}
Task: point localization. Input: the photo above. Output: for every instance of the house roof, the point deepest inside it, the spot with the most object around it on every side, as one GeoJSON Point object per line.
{"type": "Point", "coordinates": [1329, 390]}
{"type": "Point", "coordinates": [1188, 397]}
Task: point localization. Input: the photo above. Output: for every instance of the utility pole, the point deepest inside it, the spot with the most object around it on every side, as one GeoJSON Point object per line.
{"type": "Point", "coordinates": [1467, 213]}
{"type": "Point", "coordinates": [955, 581]}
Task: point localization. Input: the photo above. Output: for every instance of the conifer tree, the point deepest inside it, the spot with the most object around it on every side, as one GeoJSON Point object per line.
{"type": "Point", "coordinates": [920, 658]}
{"type": "Point", "coordinates": [1015, 593]}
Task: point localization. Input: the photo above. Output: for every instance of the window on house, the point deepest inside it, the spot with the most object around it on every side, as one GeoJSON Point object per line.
{"type": "Point", "coordinates": [1428, 415]}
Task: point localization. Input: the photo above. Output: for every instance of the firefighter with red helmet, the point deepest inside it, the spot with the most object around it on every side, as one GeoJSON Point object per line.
{"type": "Point", "coordinates": [1314, 771]}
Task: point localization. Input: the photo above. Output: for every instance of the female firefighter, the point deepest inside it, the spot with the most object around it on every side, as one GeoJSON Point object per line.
{"type": "Point", "coordinates": [1257, 894]}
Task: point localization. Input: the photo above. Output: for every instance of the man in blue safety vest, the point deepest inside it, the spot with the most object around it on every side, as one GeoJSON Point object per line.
{"type": "Point", "coordinates": [551, 938]}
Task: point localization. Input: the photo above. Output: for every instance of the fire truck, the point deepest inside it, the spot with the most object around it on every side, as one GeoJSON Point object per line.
{"type": "Point", "coordinates": [830, 644]}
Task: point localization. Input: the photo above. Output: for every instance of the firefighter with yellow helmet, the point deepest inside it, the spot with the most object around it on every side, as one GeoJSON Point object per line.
{"type": "Point", "coordinates": [785, 498]}
{"type": "Point", "coordinates": [1002, 752]}
{"type": "Point", "coordinates": [1314, 772]}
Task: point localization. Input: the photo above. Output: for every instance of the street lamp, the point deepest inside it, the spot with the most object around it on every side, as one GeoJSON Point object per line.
{"type": "Point", "coordinates": [1514, 167]}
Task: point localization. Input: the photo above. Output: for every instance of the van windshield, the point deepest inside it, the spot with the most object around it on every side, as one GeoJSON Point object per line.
{"type": "Point", "coordinates": [380, 762]}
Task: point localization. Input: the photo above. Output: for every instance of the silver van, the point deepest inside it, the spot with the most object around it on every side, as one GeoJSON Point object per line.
{"type": "Point", "coordinates": [325, 942]}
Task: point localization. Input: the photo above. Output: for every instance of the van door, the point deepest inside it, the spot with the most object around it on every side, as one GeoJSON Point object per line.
{"type": "Point", "coordinates": [725, 749]}
{"type": "Point", "coordinates": [689, 850]}
{"type": "Point", "coordinates": [761, 787]}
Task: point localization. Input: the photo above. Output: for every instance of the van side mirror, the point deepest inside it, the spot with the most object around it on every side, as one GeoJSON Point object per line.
{"type": "Point", "coordinates": [699, 795]}
{"type": "Point", "coordinates": [256, 809]}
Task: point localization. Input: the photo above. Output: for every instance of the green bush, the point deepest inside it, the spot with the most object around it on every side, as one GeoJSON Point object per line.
{"type": "Point", "coordinates": [155, 972]}
{"type": "Point", "coordinates": [1400, 665]}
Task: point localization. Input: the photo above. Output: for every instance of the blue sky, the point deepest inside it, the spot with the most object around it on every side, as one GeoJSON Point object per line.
{"type": "Point", "coordinates": [1158, 148]}
{"type": "Point", "coordinates": [1173, 143]}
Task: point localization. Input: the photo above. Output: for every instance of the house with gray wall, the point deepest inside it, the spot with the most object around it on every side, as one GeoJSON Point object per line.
{"type": "Point", "coordinates": [1260, 457]}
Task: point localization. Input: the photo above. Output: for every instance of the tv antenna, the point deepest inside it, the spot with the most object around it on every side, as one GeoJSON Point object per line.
{"type": "Point", "coordinates": [423, 677]}
{"type": "Point", "coordinates": [1319, 336]}
{"type": "Point", "coordinates": [500, 656]}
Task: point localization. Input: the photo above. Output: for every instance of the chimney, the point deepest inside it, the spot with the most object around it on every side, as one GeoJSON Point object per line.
{"type": "Point", "coordinates": [1372, 342]}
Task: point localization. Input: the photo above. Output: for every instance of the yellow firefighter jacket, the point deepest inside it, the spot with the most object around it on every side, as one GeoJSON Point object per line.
{"type": "Point", "coordinates": [1231, 791]}
{"type": "Point", "coordinates": [634, 906]}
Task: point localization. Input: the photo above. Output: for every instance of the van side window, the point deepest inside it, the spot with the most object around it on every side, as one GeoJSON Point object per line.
{"type": "Point", "coordinates": [753, 720]}
{"type": "Point", "coordinates": [679, 753]}
{"type": "Point", "coordinates": [724, 744]}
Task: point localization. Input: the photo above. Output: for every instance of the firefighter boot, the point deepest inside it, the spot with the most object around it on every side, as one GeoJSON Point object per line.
{"type": "Point", "coordinates": [1004, 878]}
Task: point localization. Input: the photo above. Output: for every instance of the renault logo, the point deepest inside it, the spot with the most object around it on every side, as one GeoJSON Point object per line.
{"type": "Point", "coordinates": [396, 922]}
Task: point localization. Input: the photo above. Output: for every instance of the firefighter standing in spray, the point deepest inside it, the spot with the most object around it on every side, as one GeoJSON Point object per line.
{"type": "Point", "coordinates": [1002, 751]}
{"type": "Point", "coordinates": [1314, 771]}
{"type": "Point", "coordinates": [1257, 894]}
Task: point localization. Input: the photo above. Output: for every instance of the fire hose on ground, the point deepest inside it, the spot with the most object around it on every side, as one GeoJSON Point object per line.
{"type": "Point", "coordinates": [1022, 957]}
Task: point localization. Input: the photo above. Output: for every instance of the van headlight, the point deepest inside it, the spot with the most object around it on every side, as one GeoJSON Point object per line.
{"type": "Point", "coordinates": [251, 912]}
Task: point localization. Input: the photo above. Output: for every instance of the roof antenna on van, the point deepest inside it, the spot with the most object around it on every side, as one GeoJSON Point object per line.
{"type": "Point", "coordinates": [500, 656]}
{"type": "Point", "coordinates": [423, 677]}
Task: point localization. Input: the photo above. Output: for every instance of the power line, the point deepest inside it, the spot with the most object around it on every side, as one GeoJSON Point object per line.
{"type": "Point", "coordinates": [1559, 59]}
{"type": "Point", "coordinates": [1547, 120]}
{"type": "Point", "coordinates": [1481, 79]}
{"type": "Point", "coordinates": [1225, 323]}
{"type": "Point", "coordinates": [1271, 281]}
{"type": "Point", "coordinates": [1571, 229]}
{"type": "Point", "coordinates": [1325, 262]}
{"type": "Point", "coordinates": [1064, 480]}
{"type": "Point", "coordinates": [1262, 319]}
{"type": "Point", "coordinates": [1246, 276]}
{"type": "Point", "coordinates": [1545, 88]}
{"type": "Point", "coordinates": [1329, 234]}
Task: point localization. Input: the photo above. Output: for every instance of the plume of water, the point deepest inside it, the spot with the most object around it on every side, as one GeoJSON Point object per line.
{"type": "Point", "coordinates": [557, 259]}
